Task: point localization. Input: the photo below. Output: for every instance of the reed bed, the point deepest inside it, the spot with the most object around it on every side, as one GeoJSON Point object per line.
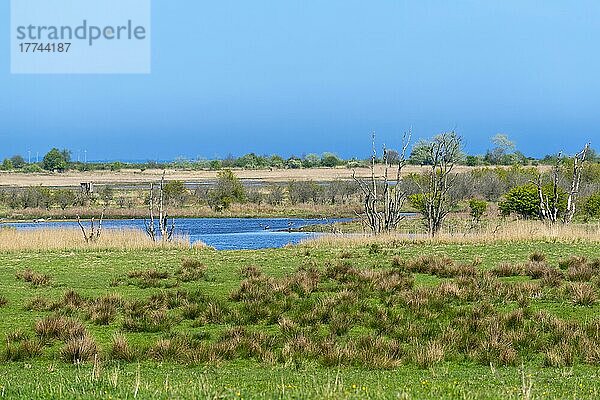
{"type": "Point", "coordinates": [72, 239]}
{"type": "Point", "coordinates": [511, 231]}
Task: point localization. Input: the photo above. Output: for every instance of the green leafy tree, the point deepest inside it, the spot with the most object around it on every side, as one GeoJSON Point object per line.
{"type": "Point", "coordinates": [421, 153]}
{"type": "Point", "coordinates": [175, 193]}
{"type": "Point", "coordinates": [18, 161]}
{"type": "Point", "coordinates": [330, 160]}
{"type": "Point", "coordinates": [311, 161]}
{"type": "Point", "coordinates": [294, 163]}
{"type": "Point", "coordinates": [228, 190]}
{"type": "Point", "coordinates": [502, 153]}
{"type": "Point", "coordinates": [7, 165]}
{"type": "Point", "coordinates": [54, 160]}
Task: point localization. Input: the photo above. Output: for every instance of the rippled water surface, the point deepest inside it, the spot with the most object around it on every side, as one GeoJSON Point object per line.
{"type": "Point", "coordinates": [220, 233]}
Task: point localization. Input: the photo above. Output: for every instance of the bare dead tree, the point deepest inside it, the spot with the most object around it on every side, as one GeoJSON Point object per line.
{"type": "Point", "coordinates": [549, 205]}
{"type": "Point", "coordinates": [383, 197]}
{"type": "Point", "coordinates": [435, 201]}
{"type": "Point", "coordinates": [578, 161]}
{"type": "Point", "coordinates": [165, 231]}
{"type": "Point", "coordinates": [95, 231]}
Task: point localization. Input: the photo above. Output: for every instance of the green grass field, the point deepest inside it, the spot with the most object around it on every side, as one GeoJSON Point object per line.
{"type": "Point", "coordinates": [303, 322]}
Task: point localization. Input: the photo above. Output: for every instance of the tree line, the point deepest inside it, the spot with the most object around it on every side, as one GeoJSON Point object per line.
{"type": "Point", "coordinates": [503, 152]}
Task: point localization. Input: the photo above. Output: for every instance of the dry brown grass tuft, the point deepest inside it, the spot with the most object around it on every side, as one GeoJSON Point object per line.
{"type": "Point", "coordinates": [59, 327]}
{"type": "Point", "coordinates": [190, 270]}
{"type": "Point", "coordinates": [583, 294]}
{"type": "Point", "coordinates": [121, 350]}
{"type": "Point", "coordinates": [80, 349]}
{"type": "Point", "coordinates": [35, 278]}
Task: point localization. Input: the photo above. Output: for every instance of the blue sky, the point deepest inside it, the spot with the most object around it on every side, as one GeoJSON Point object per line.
{"type": "Point", "coordinates": [296, 77]}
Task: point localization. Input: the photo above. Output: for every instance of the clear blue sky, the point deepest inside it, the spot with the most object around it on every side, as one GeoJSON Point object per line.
{"type": "Point", "coordinates": [296, 77]}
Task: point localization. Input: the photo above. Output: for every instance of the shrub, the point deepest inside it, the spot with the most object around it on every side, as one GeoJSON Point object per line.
{"type": "Point", "coordinates": [524, 201]}
{"type": "Point", "coordinates": [591, 207]}
{"type": "Point", "coordinates": [477, 208]}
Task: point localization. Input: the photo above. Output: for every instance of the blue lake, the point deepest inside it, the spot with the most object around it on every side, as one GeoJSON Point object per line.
{"type": "Point", "coordinates": [220, 233]}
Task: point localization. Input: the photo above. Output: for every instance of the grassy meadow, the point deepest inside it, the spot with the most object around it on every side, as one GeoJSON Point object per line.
{"type": "Point", "coordinates": [385, 318]}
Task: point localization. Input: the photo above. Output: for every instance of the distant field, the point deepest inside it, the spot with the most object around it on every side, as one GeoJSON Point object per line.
{"type": "Point", "coordinates": [138, 177]}
{"type": "Point", "coordinates": [361, 320]}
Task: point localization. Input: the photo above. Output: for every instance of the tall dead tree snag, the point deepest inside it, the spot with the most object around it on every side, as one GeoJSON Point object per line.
{"type": "Point", "coordinates": [95, 231]}
{"type": "Point", "coordinates": [551, 204]}
{"type": "Point", "coordinates": [165, 231]}
{"type": "Point", "coordinates": [434, 201]}
{"type": "Point", "coordinates": [383, 196]}
{"type": "Point", "coordinates": [578, 161]}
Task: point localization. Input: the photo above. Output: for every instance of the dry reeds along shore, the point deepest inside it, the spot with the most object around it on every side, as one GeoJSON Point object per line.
{"type": "Point", "coordinates": [71, 239]}
{"type": "Point", "coordinates": [513, 231]}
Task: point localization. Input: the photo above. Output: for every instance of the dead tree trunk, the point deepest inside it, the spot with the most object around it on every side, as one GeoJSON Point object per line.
{"type": "Point", "coordinates": [550, 204]}
{"type": "Point", "coordinates": [436, 202]}
{"type": "Point", "coordinates": [578, 161]}
{"type": "Point", "coordinates": [549, 207]}
{"type": "Point", "coordinates": [383, 198]}
{"type": "Point", "coordinates": [94, 233]}
{"type": "Point", "coordinates": [165, 232]}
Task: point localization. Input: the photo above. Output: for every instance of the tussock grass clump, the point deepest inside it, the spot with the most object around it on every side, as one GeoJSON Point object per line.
{"type": "Point", "coordinates": [104, 310]}
{"type": "Point", "coordinates": [440, 266]}
{"type": "Point", "coordinates": [80, 348]}
{"type": "Point", "coordinates": [428, 354]}
{"type": "Point", "coordinates": [580, 271]}
{"type": "Point", "coordinates": [23, 349]}
{"type": "Point", "coordinates": [506, 269]}
{"type": "Point", "coordinates": [583, 294]}
{"type": "Point", "coordinates": [561, 355]}
{"type": "Point", "coordinates": [73, 300]}
{"type": "Point", "coordinates": [140, 318]}
{"type": "Point", "coordinates": [150, 278]}
{"type": "Point", "coordinates": [190, 270]}
{"type": "Point", "coordinates": [35, 278]}
{"type": "Point", "coordinates": [238, 342]}
{"type": "Point", "coordinates": [59, 327]}
{"type": "Point", "coordinates": [120, 349]}
{"type": "Point", "coordinates": [39, 303]}
{"type": "Point", "coordinates": [537, 257]}
{"type": "Point", "coordinates": [250, 271]}
{"type": "Point", "coordinates": [152, 273]}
